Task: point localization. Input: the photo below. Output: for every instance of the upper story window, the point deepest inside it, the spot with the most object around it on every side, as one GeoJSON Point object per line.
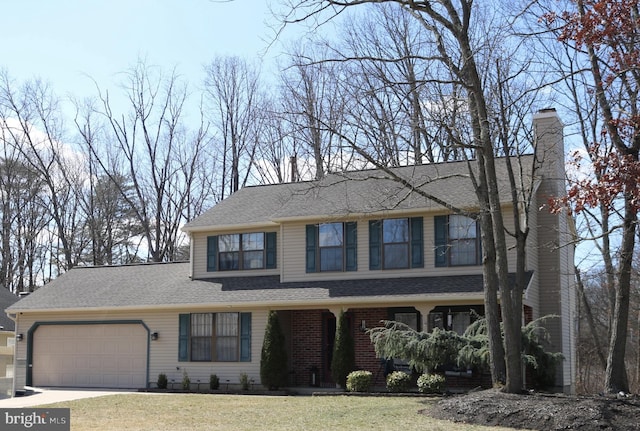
{"type": "Point", "coordinates": [457, 241]}
{"type": "Point", "coordinates": [331, 247]}
{"type": "Point", "coordinates": [231, 252]}
{"type": "Point", "coordinates": [215, 337]}
{"type": "Point", "coordinates": [396, 243]}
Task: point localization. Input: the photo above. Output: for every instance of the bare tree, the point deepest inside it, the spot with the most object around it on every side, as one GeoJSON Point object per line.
{"type": "Point", "coordinates": [32, 126]}
{"type": "Point", "coordinates": [23, 219]}
{"type": "Point", "coordinates": [465, 41]}
{"type": "Point", "coordinates": [600, 39]}
{"type": "Point", "coordinates": [150, 157]}
{"type": "Point", "coordinates": [232, 90]}
{"type": "Point", "coordinates": [313, 108]}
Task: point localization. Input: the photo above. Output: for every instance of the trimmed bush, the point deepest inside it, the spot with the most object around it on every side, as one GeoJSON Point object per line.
{"type": "Point", "coordinates": [398, 381]}
{"type": "Point", "coordinates": [214, 382]}
{"type": "Point", "coordinates": [359, 381]}
{"type": "Point", "coordinates": [273, 360]}
{"type": "Point", "coordinates": [186, 381]}
{"type": "Point", "coordinates": [431, 383]}
{"type": "Point", "coordinates": [162, 381]}
{"type": "Point", "coordinates": [244, 381]}
{"type": "Point", "coordinates": [344, 356]}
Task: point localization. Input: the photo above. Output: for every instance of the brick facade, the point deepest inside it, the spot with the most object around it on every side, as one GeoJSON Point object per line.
{"type": "Point", "coordinates": [309, 345]}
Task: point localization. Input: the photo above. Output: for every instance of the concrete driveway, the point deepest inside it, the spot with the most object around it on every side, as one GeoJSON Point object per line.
{"type": "Point", "coordinates": [39, 396]}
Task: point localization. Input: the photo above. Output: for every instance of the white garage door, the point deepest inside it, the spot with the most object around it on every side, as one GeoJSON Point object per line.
{"type": "Point", "coordinates": [90, 356]}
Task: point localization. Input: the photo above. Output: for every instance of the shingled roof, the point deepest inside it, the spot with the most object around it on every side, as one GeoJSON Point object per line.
{"type": "Point", "coordinates": [168, 285]}
{"type": "Point", "coordinates": [6, 299]}
{"type": "Point", "coordinates": [353, 194]}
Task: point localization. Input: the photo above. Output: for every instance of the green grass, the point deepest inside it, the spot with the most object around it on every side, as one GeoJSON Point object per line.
{"type": "Point", "coordinates": [193, 412]}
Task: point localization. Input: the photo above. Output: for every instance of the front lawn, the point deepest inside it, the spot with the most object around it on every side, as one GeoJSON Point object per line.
{"type": "Point", "coordinates": [192, 412]}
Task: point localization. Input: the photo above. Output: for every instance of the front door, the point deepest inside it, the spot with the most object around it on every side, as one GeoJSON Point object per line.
{"type": "Point", "coordinates": [329, 324]}
{"type": "Point", "coordinates": [328, 339]}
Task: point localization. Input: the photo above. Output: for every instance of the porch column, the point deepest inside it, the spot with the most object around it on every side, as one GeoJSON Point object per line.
{"type": "Point", "coordinates": [424, 311]}
{"type": "Point", "coordinates": [336, 311]}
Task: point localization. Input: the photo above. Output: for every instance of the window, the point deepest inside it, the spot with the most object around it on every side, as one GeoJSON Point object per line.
{"type": "Point", "coordinates": [253, 250]}
{"type": "Point", "coordinates": [246, 251]}
{"type": "Point", "coordinates": [331, 244]}
{"type": "Point", "coordinates": [457, 241]}
{"type": "Point", "coordinates": [227, 332]}
{"type": "Point", "coordinates": [396, 243]}
{"type": "Point", "coordinates": [229, 252]}
{"type": "Point", "coordinates": [457, 321]}
{"type": "Point", "coordinates": [454, 318]}
{"type": "Point", "coordinates": [215, 337]}
{"type": "Point", "coordinates": [331, 247]}
{"type": "Point", "coordinates": [201, 336]}
{"type": "Point", "coordinates": [410, 317]}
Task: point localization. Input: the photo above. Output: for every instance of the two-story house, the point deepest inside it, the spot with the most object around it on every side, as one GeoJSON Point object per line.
{"type": "Point", "coordinates": [361, 242]}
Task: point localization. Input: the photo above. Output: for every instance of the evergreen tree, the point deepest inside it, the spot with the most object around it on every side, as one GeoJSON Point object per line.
{"type": "Point", "coordinates": [344, 356]}
{"type": "Point", "coordinates": [273, 361]}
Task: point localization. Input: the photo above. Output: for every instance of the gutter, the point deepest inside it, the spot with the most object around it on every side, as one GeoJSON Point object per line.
{"type": "Point", "coordinates": [280, 305]}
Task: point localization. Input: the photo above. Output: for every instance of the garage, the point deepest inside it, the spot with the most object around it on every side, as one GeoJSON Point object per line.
{"type": "Point", "coordinates": [90, 355]}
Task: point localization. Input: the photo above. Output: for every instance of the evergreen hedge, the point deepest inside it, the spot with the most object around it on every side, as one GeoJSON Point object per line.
{"type": "Point", "coordinates": [344, 357]}
{"type": "Point", "coordinates": [273, 360]}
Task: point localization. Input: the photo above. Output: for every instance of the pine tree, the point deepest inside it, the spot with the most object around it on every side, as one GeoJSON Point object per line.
{"type": "Point", "coordinates": [273, 361]}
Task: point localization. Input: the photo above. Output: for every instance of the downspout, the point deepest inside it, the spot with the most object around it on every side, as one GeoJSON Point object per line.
{"type": "Point", "coordinates": [16, 319]}
{"type": "Point", "coordinates": [190, 256]}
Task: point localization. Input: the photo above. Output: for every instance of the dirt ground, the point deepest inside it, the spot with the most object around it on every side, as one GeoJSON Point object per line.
{"type": "Point", "coordinates": [545, 412]}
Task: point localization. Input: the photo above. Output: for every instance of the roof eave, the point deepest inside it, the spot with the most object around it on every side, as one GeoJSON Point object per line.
{"type": "Point", "coordinates": [209, 228]}
{"type": "Point", "coordinates": [350, 301]}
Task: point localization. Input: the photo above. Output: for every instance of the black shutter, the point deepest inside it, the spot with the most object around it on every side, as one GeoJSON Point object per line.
{"type": "Point", "coordinates": [212, 253]}
{"type": "Point", "coordinates": [351, 246]}
{"type": "Point", "coordinates": [183, 337]}
{"type": "Point", "coordinates": [245, 337]}
{"type": "Point", "coordinates": [312, 238]}
{"type": "Point", "coordinates": [440, 225]}
{"type": "Point", "coordinates": [271, 250]}
{"type": "Point", "coordinates": [417, 258]}
{"type": "Point", "coordinates": [375, 244]}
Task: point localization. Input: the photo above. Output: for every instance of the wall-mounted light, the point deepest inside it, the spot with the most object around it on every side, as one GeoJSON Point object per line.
{"type": "Point", "coordinates": [449, 319]}
{"type": "Point", "coordinates": [154, 336]}
{"type": "Point", "coordinates": [19, 337]}
{"type": "Point", "coordinates": [363, 325]}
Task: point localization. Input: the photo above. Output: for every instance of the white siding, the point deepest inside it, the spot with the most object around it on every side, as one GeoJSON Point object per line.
{"type": "Point", "coordinates": [163, 353]}
{"type": "Point", "coordinates": [199, 258]}
{"type": "Point", "coordinates": [294, 268]}
{"type": "Point", "coordinates": [532, 294]}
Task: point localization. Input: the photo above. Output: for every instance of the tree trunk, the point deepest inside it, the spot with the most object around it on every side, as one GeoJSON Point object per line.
{"type": "Point", "coordinates": [491, 306]}
{"type": "Point", "coordinates": [616, 374]}
{"type": "Point", "coordinates": [590, 320]}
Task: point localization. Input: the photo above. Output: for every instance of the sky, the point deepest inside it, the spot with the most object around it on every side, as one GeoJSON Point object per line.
{"type": "Point", "coordinates": [64, 42]}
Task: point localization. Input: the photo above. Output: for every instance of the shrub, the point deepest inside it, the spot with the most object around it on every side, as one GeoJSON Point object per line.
{"type": "Point", "coordinates": [244, 381]}
{"type": "Point", "coordinates": [431, 383]}
{"type": "Point", "coordinates": [214, 382]}
{"type": "Point", "coordinates": [542, 363]}
{"type": "Point", "coordinates": [186, 381]}
{"type": "Point", "coordinates": [162, 381]}
{"type": "Point", "coordinates": [344, 356]}
{"type": "Point", "coordinates": [273, 360]}
{"type": "Point", "coordinates": [398, 381]}
{"type": "Point", "coordinates": [359, 381]}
